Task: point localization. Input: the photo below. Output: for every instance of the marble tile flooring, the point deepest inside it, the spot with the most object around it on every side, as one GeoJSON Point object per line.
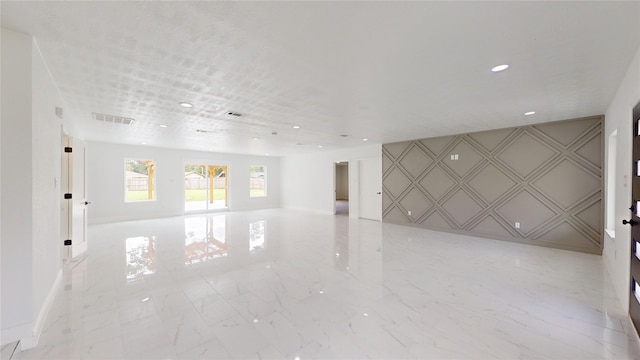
{"type": "Point", "coordinates": [285, 284]}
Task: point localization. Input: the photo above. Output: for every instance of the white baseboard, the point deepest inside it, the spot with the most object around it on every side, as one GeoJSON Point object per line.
{"type": "Point", "coordinates": [16, 333]}
{"type": "Point", "coordinates": [44, 311]}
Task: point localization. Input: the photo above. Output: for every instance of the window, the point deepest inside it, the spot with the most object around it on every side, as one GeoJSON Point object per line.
{"type": "Point", "coordinates": [611, 185]}
{"type": "Point", "coordinates": [139, 180]}
{"type": "Point", "coordinates": [257, 181]}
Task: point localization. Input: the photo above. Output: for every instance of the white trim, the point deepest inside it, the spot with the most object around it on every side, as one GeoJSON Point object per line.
{"type": "Point", "coordinates": [611, 233]}
{"type": "Point", "coordinates": [16, 333]}
{"type": "Point", "coordinates": [42, 315]}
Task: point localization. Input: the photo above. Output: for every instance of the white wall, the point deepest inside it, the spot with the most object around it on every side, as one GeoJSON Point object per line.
{"type": "Point", "coordinates": [17, 294]}
{"type": "Point", "coordinates": [105, 181]}
{"type": "Point", "coordinates": [308, 180]}
{"type": "Point", "coordinates": [617, 251]}
{"type": "Point", "coordinates": [30, 216]}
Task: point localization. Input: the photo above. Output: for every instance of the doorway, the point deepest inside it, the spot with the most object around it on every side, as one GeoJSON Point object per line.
{"type": "Point", "coordinates": [342, 188]}
{"type": "Point", "coordinates": [634, 222]}
{"type": "Point", "coordinates": [205, 187]}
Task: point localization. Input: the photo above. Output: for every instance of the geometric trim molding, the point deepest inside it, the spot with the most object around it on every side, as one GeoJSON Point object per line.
{"type": "Point", "coordinates": [539, 184]}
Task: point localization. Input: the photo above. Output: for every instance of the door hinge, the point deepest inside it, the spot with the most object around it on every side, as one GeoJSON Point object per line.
{"type": "Point", "coordinates": [67, 242]}
{"type": "Point", "coordinates": [68, 149]}
{"type": "Point", "coordinates": [68, 196]}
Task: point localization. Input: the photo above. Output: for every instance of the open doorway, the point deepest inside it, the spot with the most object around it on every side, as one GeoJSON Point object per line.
{"type": "Point", "coordinates": [342, 187]}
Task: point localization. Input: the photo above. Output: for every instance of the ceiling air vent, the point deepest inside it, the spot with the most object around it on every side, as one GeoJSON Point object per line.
{"type": "Point", "coordinates": [113, 119]}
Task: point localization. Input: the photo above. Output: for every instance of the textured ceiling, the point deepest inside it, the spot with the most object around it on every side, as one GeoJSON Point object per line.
{"type": "Point", "coordinates": [386, 71]}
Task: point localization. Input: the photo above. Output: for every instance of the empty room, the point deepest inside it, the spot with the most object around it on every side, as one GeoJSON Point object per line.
{"type": "Point", "coordinates": [320, 180]}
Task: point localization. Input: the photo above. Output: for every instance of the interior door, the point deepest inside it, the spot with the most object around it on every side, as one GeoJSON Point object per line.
{"type": "Point", "coordinates": [371, 188]}
{"type": "Point", "coordinates": [65, 188]}
{"type": "Point", "coordinates": [78, 189]}
{"type": "Point", "coordinates": [634, 294]}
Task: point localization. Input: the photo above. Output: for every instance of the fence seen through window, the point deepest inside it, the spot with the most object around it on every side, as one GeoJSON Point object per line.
{"type": "Point", "coordinates": [257, 181]}
{"type": "Point", "coordinates": [139, 180]}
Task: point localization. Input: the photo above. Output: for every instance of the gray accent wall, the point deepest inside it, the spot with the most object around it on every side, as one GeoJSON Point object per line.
{"type": "Point", "coordinates": [546, 177]}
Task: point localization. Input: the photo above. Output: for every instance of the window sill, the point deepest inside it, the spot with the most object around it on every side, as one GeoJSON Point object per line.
{"type": "Point", "coordinates": [611, 233]}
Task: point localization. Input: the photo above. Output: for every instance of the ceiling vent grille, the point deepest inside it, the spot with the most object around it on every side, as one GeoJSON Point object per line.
{"type": "Point", "coordinates": [113, 119]}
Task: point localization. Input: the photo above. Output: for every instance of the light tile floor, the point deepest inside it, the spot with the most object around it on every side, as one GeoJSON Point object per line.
{"type": "Point", "coordinates": [297, 285]}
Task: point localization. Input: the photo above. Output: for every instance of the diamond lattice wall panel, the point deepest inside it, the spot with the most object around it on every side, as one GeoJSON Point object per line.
{"type": "Point", "coordinates": [491, 183]}
{"type": "Point", "coordinates": [567, 194]}
{"type": "Point", "coordinates": [415, 201]}
{"type": "Point", "coordinates": [395, 183]}
{"type": "Point", "coordinates": [489, 226]}
{"type": "Point", "coordinates": [436, 221]}
{"type": "Point", "coordinates": [591, 152]}
{"type": "Point", "coordinates": [591, 216]}
{"type": "Point", "coordinates": [527, 210]}
{"type": "Point", "coordinates": [547, 178]}
{"type": "Point", "coordinates": [437, 145]}
{"type": "Point", "coordinates": [465, 159]}
{"type": "Point", "coordinates": [526, 153]}
{"type": "Point", "coordinates": [415, 161]}
{"type": "Point", "coordinates": [437, 183]}
{"type": "Point", "coordinates": [565, 132]}
{"type": "Point", "coordinates": [491, 139]}
{"type": "Point", "coordinates": [461, 207]}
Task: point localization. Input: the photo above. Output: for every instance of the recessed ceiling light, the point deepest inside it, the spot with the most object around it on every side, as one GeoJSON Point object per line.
{"type": "Point", "coordinates": [163, 125]}
{"type": "Point", "coordinates": [365, 139]}
{"type": "Point", "coordinates": [499, 68]}
{"type": "Point", "coordinates": [185, 104]}
{"type": "Point", "coordinates": [529, 113]}
{"type": "Point", "coordinates": [296, 127]}
{"type": "Point", "coordinates": [143, 143]}
{"type": "Point", "coordinates": [319, 146]}
{"type": "Point", "coordinates": [267, 154]}
{"type": "Point", "coordinates": [255, 138]}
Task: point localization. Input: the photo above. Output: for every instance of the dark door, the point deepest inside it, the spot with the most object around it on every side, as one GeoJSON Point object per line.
{"type": "Point", "coordinates": [634, 297]}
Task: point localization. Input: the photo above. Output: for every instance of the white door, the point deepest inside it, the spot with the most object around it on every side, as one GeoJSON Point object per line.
{"type": "Point", "coordinates": [75, 209]}
{"type": "Point", "coordinates": [65, 187]}
{"type": "Point", "coordinates": [371, 188]}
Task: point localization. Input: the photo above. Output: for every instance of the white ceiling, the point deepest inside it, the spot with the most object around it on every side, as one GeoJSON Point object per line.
{"type": "Point", "coordinates": [386, 71]}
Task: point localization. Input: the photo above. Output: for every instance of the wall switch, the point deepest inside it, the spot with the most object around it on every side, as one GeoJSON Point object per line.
{"type": "Point", "coordinates": [517, 225]}
{"type": "Point", "coordinates": [409, 212]}
{"type": "Point", "coordinates": [455, 157]}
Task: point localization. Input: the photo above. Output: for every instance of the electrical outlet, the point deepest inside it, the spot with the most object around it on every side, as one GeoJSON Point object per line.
{"type": "Point", "coordinates": [409, 212]}
{"type": "Point", "coordinates": [517, 225]}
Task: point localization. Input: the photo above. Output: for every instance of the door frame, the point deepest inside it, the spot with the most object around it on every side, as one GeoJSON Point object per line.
{"type": "Point", "coordinates": [634, 221]}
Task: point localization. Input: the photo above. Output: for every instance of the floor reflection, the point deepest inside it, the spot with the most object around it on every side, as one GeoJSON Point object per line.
{"type": "Point", "coordinates": [205, 239]}
{"type": "Point", "coordinates": [257, 235]}
{"type": "Point", "coordinates": [141, 256]}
